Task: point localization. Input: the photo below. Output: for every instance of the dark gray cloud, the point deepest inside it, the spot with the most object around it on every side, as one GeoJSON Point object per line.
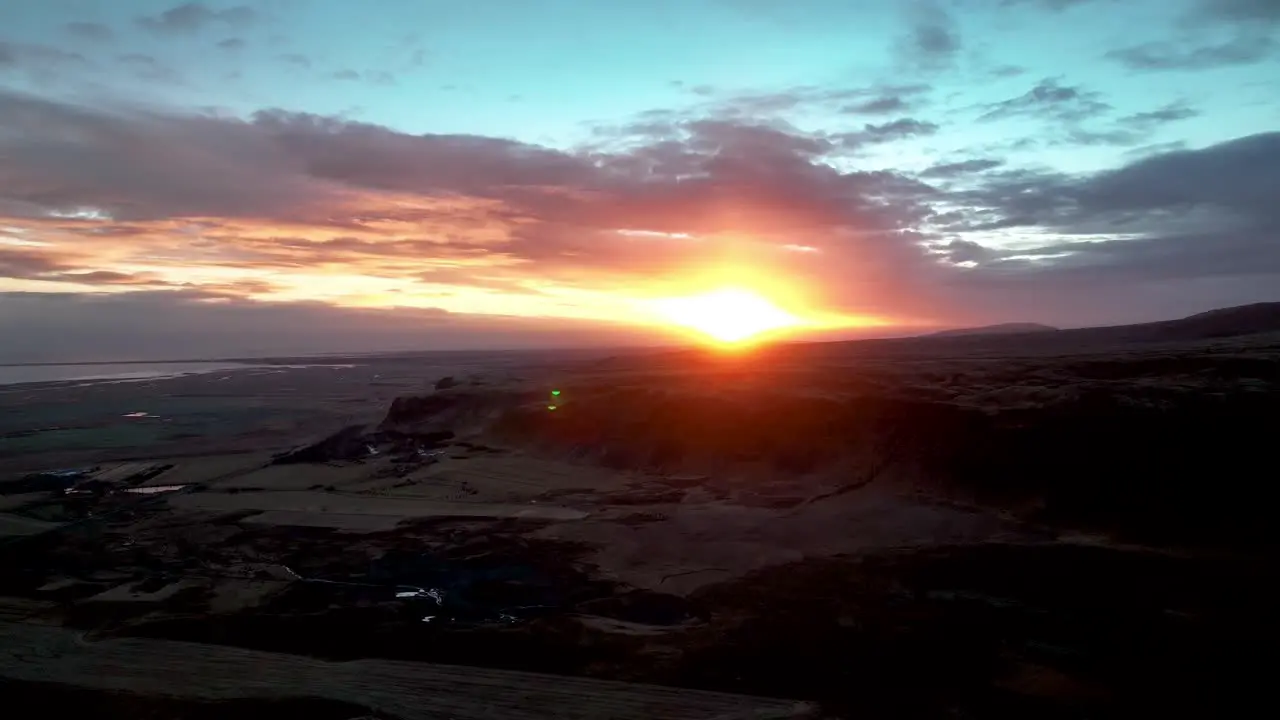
{"type": "Point", "coordinates": [1193, 230]}
{"type": "Point", "coordinates": [937, 39]}
{"type": "Point", "coordinates": [1131, 129]}
{"type": "Point", "coordinates": [785, 16]}
{"type": "Point", "coordinates": [1055, 5]}
{"type": "Point", "coordinates": [1240, 176]}
{"type": "Point", "coordinates": [882, 105]}
{"type": "Point", "coordinates": [1050, 100]}
{"type": "Point", "coordinates": [771, 103]}
{"type": "Point", "coordinates": [147, 67]}
{"type": "Point", "coordinates": [231, 44]}
{"type": "Point", "coordinates": [1172, 112]}
{"type": "Point", "coordinates": [962, 168]}
{"type": "Point", "coordinates": [1241, 11]}
{"type": "Point", "coordinates": [294, 165]}
{"type": "Point", "coordinates": [900, 129]}
{"type": "Point", "coordinates": [1243, 50]}
{"type": "Point", "coordinates": [754, 106]}
{"type": "Point", "coordinates": [933, 40]}
{"type": "Point", "coordinates": [90, 31]}
{"type": "Point", "coordinates": [1250, 24]}
{"type": "Point", "coordinates": [39, 57]}
{"type": "Point", "coordinates": [41, 64]}
{"type": "Point", "coordinates": [1143, 151]}
{"type": "Point", "coordinates": [296, 60]}
{"type": "Point", "coordinates": [1007, 71]}
{"type": "Point", "coordinates": [60, 156]}
{"type": "Point", "coordinates": [1118, 135]}
{"type": "Point", "coordinates": [964, 251]}
{"type": "Point", "coordinates": [1227, 188]}
{"type": "Point", "coordinates": [192, 17]}
{"type": "Point", "coordinates": [345, 75]}
{"type": "Point", "coordinates": [1180, 256]}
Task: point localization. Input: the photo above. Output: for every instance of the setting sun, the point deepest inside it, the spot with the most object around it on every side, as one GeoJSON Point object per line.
{"type": "Point", "coordinates": [728, 315]}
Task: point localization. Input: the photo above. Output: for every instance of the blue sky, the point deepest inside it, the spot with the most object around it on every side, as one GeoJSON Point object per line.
{"type": "Point", "coordinates": [1054, 94]}
{"type": "Point", "coordinates": [546, 71]}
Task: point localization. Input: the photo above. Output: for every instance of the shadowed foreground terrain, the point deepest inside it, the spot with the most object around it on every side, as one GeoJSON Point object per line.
{"type": "Point", "coordinates": [1055, 524]}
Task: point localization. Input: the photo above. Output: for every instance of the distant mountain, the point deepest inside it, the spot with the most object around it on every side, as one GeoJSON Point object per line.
{"type": "Point", "coordinates": [1227, 322]}
{"type": "Point", "coordinates": [1001, 329]}
{"type": "Point", "coordinates": [1223, 323]}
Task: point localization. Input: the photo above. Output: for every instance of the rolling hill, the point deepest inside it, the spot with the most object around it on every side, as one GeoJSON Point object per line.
{"type": "Point", "coordinates": [1001, 329]}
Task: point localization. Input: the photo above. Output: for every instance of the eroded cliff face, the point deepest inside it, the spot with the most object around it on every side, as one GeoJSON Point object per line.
{"type": "Point", "coordinates": [1170, 449]}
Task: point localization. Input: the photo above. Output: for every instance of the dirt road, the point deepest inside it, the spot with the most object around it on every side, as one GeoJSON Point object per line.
{"type": "Point", "coordinates": [38, 653]}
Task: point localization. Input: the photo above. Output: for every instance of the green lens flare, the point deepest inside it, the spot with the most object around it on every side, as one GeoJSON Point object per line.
{"type": "Point", "coordinates": [555, 392]}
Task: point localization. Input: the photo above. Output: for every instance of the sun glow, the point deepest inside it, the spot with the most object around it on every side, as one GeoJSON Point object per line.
{"type": "Point", "coordinates": [728, 315]}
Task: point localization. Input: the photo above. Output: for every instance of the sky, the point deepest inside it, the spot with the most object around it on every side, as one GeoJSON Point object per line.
{"type": "Point", "coordinates": [297, 176]}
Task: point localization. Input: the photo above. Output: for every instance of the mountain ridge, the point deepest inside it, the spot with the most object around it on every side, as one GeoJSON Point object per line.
{"type": "Point", "coordinates": [1012, 328]}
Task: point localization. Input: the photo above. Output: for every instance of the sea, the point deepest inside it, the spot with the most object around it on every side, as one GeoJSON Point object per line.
{"type": "Point", "coordinates": [111, 372]}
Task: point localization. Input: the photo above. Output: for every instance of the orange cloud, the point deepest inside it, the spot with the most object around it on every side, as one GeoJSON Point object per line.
{"type": "Point", "coordinates": [290, 207]}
